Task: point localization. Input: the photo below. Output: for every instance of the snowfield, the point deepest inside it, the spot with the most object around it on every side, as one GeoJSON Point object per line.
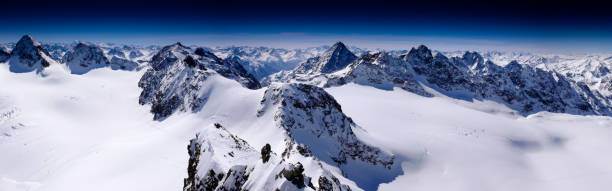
{"type": "Point", "coordinates": [88, 132]}
{"type": "Point", "coordinates": [457, 145]}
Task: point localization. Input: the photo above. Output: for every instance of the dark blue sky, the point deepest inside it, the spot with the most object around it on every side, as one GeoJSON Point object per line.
{"type": "Point", "coordinates": [505, 25]}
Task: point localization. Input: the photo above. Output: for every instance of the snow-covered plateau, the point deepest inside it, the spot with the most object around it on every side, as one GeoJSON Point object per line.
{"type": "Point", "coordinates": [329, 118]}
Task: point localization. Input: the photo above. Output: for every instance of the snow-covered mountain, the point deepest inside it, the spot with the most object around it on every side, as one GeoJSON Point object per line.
{"type": "Point", "coordinates": [85, 57]}
{"type": "Point", "coordinates": [177, 79]}
{"type": "Point", "coordinates": [338, 120]}
{"type": "Point", "coordinates": [521, 87]}
{"type": "Point", "coordinates": [310, 121]}
{"type": "Point", "coordinates": [29, 55]}
{"type": "Point", "coordinates": [335, 58]}
{"type": "Point", "coordinates": [591, 69]}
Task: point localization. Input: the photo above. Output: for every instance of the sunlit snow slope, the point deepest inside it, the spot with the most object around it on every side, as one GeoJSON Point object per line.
{"type": "Point", "coordinates": [456, 145]}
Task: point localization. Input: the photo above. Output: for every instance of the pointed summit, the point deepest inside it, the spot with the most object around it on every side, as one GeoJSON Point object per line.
{"type": "Point", "coordinates": [335, 58]}
{"type": "Point", "coordinates": [28, 55]}
{"type": "Point", "coordinates": [421, 54]}
{"type": "Point", "coordinates": [29, 40]}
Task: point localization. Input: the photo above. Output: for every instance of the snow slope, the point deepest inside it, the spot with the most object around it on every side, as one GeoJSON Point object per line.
{"type": "Point", "coordinates": [448, 144]}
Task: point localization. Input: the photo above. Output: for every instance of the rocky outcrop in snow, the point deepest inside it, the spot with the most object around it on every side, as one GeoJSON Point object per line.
{"type": "Point", "coordinates": [219, 160]}
{"type": "Point", "coordinates": [29, 55]}
{"type": "Point", "coordinates": [4, 56]}
{"type": "Point", "coordinates": [117, 63]}
{"type": "Point", "coordinates": [176, 79]}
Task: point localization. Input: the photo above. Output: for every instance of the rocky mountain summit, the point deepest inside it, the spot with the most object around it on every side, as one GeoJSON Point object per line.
{"type": "Point", "coordinates": [85, 57]}
{"type": "Point", "coordinates": [29, 55]}
{"type": "Point", "coordinates": [176, 78]}
{"type": "Point", "coordinates": [337, 57]}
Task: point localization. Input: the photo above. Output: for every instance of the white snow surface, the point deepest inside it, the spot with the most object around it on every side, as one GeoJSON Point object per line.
{"type": "Point", "coordinates": [449, 144]}
{"type": "Point", "coordinates": [87, 132]}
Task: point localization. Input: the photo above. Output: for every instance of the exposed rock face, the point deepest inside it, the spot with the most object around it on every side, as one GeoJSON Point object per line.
{"type": "Point", "coordinates": [313, 117]}
{"type": "Point", "coordinates": [117, 63]}
{"type": "Point", "coordinates": [29, 55]}
{"type": "Point", "coordinates": [177, 76]}
{"type": "Point", "coordinates": [4, 56]}
{"type": "Point", "coordinates": [84, 58]}
{"type": "Point", "coordinates": [380, 70]}
{"type": "Point", "coordinates": [116, 52]}
{"type": "Point", "coordinates": [219, 160]}
{"type": "Point", "coordinates": [521, 87]}
{"type": "Point", "coordinates": [135, 54]}
{"type": "Point", "coordinates": [265, 153]}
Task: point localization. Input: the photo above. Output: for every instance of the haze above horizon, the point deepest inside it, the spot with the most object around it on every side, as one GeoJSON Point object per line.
{"type": "Point", "coordinates": [446, 26]}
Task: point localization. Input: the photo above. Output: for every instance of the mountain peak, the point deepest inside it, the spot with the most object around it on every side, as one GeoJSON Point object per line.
{"type": "Point", "coordinates": [420, 54]}
{"type": "Point", "coordinates": [85, 57]}
{"type": "Point", "coordinates": [28, 55]}
{"type": "Point", "coordinates": [335, 58]}
{"type": "Point", "coordinates": [28, 40]}
{"type": "Point", "coordinates": [338, 44]}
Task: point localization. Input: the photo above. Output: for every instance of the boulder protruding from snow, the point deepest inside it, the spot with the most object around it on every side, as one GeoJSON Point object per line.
{"type": "Point", "coordinates": [219, 160]}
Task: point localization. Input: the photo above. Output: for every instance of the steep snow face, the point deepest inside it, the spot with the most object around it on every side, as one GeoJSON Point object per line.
{"type": "Point", "coordinates": [28, 55]}
{"type": "Point", "coordinates": [220, 160]}
{"type": "Point", "coordinates": [177, 77]}
{"type": "Point", "coordinates": [314, 120]}
{"type": "Point", "coordinates": [335, 58]}
{"type": "Point", "coordinates": [85, 57]}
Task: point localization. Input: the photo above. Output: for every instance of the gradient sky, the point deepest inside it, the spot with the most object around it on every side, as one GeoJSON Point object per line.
{"type": "Point", "coordinates": [467, 25]}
